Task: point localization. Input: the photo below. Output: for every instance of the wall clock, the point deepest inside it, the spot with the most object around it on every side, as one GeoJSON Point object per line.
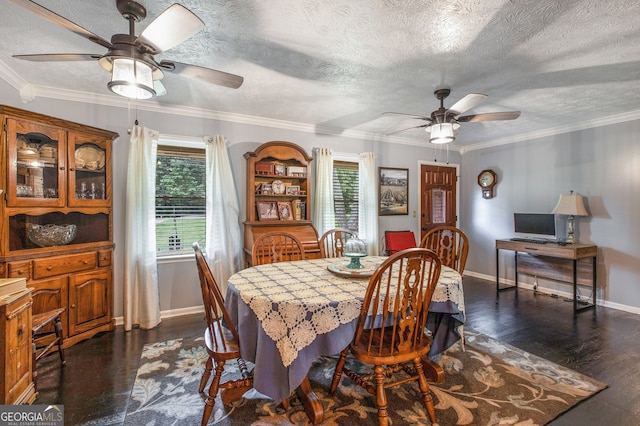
{"type": "Point", "coordinates": [487, 180]}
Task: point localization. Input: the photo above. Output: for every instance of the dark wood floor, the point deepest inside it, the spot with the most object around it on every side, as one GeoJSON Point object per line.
{"type": "Point", "coordinates": [604, 344]}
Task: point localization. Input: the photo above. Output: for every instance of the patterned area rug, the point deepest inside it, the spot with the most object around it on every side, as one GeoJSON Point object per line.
{"type": "Point", "coordinates": [486, 383]}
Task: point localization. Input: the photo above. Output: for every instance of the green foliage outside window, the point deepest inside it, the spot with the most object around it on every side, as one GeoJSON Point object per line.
{"type": "Point", "coordinates": [180, 201]}
{"type": "Point", "coordinates": [345, 194]}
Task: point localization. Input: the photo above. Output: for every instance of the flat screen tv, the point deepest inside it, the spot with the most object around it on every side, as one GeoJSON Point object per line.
{"type": "Point", "coordinates": [535, 225]}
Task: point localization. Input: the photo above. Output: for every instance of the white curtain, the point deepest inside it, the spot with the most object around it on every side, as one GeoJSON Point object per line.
{"type": "Point", "coordinates": [324, 217]}
{"type": "Point", "coordinates": [223, 237]}
{"type": "Point", "coordinates": [141, 295]}
{"type": "Point", "coordinates": [368, 203]}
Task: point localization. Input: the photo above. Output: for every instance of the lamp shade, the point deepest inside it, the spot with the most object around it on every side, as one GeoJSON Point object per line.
{"type": "Point", "coordinates": [441, 133]}
{"type": "Point", "coordinates": [132, 79]}
{"type": "Point", "coordinates": [571, 205]}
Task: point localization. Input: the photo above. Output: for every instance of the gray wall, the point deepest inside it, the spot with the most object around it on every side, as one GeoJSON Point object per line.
{"type": "Point", "coordinates": [601, 163]}
{"type": "Point", "coordinates": [179, 288]}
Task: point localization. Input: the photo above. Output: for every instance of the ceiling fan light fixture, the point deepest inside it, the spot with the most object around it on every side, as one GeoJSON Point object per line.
{"type": "Point", "coordinates": [132, 79]}
{"type": "Point", "coordinates": [441, 133]}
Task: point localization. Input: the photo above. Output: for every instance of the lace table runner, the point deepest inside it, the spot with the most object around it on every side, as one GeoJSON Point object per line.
{"type": "Point", "coordinates": [296, 301]}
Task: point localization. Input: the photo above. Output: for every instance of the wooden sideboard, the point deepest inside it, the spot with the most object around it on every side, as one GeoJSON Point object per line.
{"type": "Point", "coordinates": [16, 381]}
{"type": "Point", "coordinates": [573, 263]}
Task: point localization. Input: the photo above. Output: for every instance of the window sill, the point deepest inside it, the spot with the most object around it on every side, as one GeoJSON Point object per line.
{"type": "Point", "coordinates": [175, 258]}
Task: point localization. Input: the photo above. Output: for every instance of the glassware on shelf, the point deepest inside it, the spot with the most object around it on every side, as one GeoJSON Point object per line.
{"type": "Point", "coordinates": [24, 190]}
{"type": "Point", "coordinates": [51, 235]}
{"type": "Point", "coordinates": [82, 194]}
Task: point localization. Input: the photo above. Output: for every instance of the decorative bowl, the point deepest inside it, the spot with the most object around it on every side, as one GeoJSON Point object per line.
{"type": "Point", "coordinates": [51, 235]}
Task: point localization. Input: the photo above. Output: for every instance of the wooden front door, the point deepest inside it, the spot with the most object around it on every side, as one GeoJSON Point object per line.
{"type": "Point", "coordinates": [437, 196]}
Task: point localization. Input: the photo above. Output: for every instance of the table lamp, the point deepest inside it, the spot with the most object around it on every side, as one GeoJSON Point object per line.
{"type": "Point", "coordinates": [570, 205]}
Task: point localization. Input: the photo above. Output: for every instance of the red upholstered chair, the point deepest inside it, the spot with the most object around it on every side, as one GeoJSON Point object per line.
{"type": "Point", "coordinates": [396, 241]}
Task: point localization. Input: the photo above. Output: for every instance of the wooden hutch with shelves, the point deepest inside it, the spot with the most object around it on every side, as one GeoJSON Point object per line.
{"type": "Point", "coordinates": [56, 227]}
{"type": "Point", "coordinates": [279, 195]}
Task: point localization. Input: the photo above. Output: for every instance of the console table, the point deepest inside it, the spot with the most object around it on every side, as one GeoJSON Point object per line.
{"type": "Point", "coordinates": [573, 263]}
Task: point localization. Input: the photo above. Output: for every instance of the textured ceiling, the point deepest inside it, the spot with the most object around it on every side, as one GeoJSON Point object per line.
{"type": "Point", "coordinates": [337, 65]}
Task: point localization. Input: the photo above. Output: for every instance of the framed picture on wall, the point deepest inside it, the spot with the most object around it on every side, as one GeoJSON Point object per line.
{"type": "Point", "coordinates": [393, 190]}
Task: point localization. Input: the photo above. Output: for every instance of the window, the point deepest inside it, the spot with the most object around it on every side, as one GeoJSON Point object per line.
{"type": "Point", "coordinates": [345, 194]}
{"type": "Point", "coordinates": [180, 199]}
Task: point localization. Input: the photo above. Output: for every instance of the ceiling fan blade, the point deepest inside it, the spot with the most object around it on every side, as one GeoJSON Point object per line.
{"type": "Point", "coordinates": [489, 116]}
{"type": "Point", "coordinates": [409, 128]}
{"type": "Point", "coordinates": [63, 22]}
{"type": "Point", "coordinates": [419, 117]}
{"type": "Point", "coordinates": [173, 26]}
{"type": "Point", "coordinates": [466, 103]}
{"type": "Point", "coordinates": [208, 75]}
{"type": "Point", "coordinates": [159, 88]}
{"type": "Point", "coordinates": [62, 57]}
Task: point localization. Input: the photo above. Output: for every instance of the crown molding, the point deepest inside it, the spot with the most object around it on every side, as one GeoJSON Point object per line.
{"type": "Point", "coordinates": [553, 131]}
{"type": "Point", "coordinates": [28, 92]}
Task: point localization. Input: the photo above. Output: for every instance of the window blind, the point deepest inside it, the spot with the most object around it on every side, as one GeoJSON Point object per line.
{"type": "Point", "coordinates": [345, 194]}
{"type": "Point", "coordinates": [180, 199]}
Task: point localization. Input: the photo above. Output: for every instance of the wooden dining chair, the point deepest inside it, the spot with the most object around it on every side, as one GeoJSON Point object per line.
{"type": "Point", "coordinates": [333, 241]}
{"type": "Point", "coordinates": [450, 244]}
{"type": "Point", "coordinates": [397, 300]}
{"type": "Point", "coordinates": [221, 341]}
{"type": "Point", "coordinates": [46, 336]}
{"type": "Point", "coordinates": [274, 247]}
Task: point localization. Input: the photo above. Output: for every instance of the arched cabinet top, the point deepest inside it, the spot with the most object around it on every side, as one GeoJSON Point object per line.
{"type": "Point", "coordinates": [281, 150]}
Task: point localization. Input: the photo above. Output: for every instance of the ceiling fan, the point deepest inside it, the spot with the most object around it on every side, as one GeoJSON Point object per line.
{"type": "Point", "coordinates": [442, 122]}
{"type": "Point", "coordinates": [129, 58]}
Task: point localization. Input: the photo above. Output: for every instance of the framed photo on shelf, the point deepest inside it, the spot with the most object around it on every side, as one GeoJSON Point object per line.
{"type": "Point", "coordinates": [394, 191]}
{"type": "Point", "coordinates": [293, 190]}
{"type": "Point", "coordinates": [266, 189]}
{"type": "Point", "coordinates": [280, 169]}
{"type": "Point", "coordinates": [267, 210]}
{"type": "Point", "coordinates": [284, 209]}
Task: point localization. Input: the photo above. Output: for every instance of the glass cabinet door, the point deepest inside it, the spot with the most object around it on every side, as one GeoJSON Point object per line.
{"type": "Point", "coordinates": [36, 165]}
{"type": "Point", "coordinates": [88, 171]}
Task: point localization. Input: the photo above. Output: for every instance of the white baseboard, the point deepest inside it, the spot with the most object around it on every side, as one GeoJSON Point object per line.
{"type": "Point", "coordinates": [554, 292]}
{"type": "Point", "coordinates": [171, 313]}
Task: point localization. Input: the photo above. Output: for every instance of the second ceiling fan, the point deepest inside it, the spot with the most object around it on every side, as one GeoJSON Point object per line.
{"type": "Point", "coordinates": [444, 121]}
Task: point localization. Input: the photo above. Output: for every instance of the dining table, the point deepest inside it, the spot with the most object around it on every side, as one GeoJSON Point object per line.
{"type": "Point", "coordinates": [288, 314]}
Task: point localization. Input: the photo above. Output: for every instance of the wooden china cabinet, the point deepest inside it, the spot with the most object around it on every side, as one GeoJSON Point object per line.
{"type": "Point", "coordinates": [279, 195]}
{"type": "Point", "coordinates": [56, 228]}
